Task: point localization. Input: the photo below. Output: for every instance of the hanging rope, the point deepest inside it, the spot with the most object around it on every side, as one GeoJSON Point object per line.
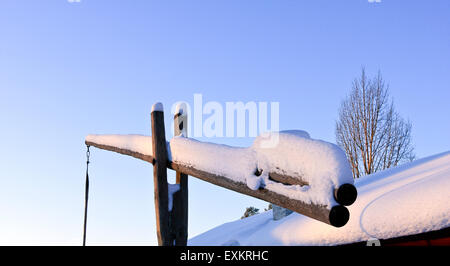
{"type": "Point", "coordinates": [86, 195]}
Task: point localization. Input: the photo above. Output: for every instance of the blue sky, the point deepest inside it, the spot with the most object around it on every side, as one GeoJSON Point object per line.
{"type": "Point", "coordinates": [70, 69]}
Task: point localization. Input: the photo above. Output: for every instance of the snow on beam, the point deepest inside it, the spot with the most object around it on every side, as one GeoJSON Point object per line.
{"type": "Point", "coordinates": [336, 215]}
{"type": "Point", "coordinates": [136, 146]}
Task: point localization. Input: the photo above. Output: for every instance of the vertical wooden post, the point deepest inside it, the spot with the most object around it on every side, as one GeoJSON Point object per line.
{"type": "Point", "coordinates": [179, 214]}
{"type": "Point", "coordinates": [160, 175]}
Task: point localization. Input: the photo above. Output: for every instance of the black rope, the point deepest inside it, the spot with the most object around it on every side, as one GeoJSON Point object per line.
{"type": "Point", "coordinates": [86, 195]}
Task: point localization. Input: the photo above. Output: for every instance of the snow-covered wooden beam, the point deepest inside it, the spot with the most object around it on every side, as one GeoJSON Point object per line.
{"type": "Point", "coordinates": [289, 169]}
{"type": "Point", "coordinates": [138, 155]}
{"type": "Point", "coordinates": [337, 216]}
{"type": "Point", "coordinates": [135, 146]}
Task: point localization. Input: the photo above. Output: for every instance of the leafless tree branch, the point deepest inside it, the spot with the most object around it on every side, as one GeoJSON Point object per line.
{"type": "Point", "coordinates": [371, 132]}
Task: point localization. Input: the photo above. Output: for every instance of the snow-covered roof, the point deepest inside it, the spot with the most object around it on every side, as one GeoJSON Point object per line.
{"type": "Point", "coordinates": [406, 200]}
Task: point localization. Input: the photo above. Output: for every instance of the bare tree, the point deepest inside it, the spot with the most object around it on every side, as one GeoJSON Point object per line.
{"type": "Point", "coordinates": [371, 132]}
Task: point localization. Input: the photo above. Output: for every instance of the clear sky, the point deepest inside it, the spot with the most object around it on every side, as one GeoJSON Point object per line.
{"type": "Point", "coordinates": [97, 66]}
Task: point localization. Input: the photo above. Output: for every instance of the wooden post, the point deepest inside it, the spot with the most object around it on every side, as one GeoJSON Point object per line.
{"type": "Point", "coordinates": [179, 214]}
{"type": "Point", "coordinates": [160, 175]}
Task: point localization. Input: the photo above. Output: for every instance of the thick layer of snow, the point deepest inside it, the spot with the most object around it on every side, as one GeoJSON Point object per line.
{"type": "Point", "coordinates": [321, 164]}
{"type": "Point", "coordinates": [138, 143]}
{"type": "Point", "coordinates": [406, 200]}
{"type": "Point", "coordinates": [234, 163]}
